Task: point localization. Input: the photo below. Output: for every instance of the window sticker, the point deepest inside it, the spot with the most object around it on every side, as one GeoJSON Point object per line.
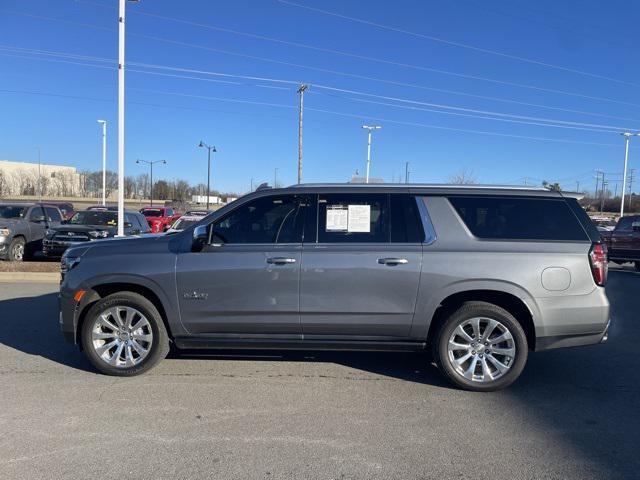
{"type": "Point", "coordinates": [359, 219]}
{"type": "Point", "coordinates": [337, 218]}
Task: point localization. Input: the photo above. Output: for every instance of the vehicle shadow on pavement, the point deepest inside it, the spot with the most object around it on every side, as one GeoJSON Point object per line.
{"type": "Point", "coordinates": [30, 324]}
{"type": "Point", "coordinates": [589, 397]}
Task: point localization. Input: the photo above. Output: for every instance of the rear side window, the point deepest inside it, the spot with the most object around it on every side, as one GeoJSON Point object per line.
{"type": "Point", "coordinates": [53, 214]}
{"type": "Point", "coordinates": [519, 218]}
{"type": "Point", "coordinates": [406, 226]}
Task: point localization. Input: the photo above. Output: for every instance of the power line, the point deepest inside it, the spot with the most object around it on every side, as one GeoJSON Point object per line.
{"type": "Point", "coordinates": [460, 45]}
{"type": "Point", "coordinates": [522, 118]}
{"type": "Point", "coordinates": [270, 60]}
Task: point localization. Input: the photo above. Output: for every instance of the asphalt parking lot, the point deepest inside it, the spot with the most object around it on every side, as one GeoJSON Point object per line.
{"type": "Point", "coordinates": [574, 414]}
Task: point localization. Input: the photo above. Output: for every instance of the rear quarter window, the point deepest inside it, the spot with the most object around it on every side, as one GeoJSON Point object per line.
{"type": "Point", "coordinates": [519, 218]}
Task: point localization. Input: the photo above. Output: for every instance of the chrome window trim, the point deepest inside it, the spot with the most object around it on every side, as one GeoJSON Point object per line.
{"type": "Point", "coordinates": [429, 232]}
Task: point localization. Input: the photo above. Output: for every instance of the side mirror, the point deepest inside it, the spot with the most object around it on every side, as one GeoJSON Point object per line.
{"type": "Point", "coordinates": [200, 236]}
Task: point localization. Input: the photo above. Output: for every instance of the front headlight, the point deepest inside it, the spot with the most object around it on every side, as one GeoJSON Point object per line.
{"type": "Point", "coordinates": [67, 263]}
{"type": "Point", "coordinates": [5, 232]}
{"type": "Point", "coordinates": [98, 233]}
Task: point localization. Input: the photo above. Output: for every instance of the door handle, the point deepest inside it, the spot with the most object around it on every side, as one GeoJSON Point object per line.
{"type": "Point", "coordinates": [393, 261]}
{"type": "Point", "coordinates": [280, 260]}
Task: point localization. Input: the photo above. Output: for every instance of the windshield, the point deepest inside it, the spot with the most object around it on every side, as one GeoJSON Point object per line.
{"type": "Point", "coordinates": [183, 223]}
{"type": "Point", "coordinates": [94, 217]}
{"type": "Point", "coordinates": [12, 211]}
{"type": "Point", "coordinates": [152, 213]}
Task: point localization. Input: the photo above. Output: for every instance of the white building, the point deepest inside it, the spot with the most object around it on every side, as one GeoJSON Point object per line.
{"type": "Point", "coordinates": [22, 178]}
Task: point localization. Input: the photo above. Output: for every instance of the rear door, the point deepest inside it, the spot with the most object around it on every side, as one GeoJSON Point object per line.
{"type": "Point", "coordinates": [360, 278]}
{"type": "Point", "coordinates": [246, 280]}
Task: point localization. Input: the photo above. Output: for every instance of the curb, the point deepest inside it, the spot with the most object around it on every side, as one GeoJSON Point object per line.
{"type": "Point", "coordinates": [37, 277]}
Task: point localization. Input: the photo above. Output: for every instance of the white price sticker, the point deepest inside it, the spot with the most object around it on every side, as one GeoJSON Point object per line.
{"type": "Point", "coordinates": [359, 218]}
{"type": "Point", "coordinates": [337, 218]}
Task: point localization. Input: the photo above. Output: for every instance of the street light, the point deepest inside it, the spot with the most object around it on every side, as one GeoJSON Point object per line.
{"type": "Point", "coordinates": [370, 128]}
{"type": "Point", "coordinates": [104, 161]}
{"type": "Point", "coordinates": [209, 149]}
{"type": "Point", "coordinates": [626, 136]}
{"type": "Point", "coordinates": [151, 165]}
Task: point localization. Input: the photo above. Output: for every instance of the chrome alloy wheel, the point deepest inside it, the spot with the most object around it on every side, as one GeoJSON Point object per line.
{"type": "Point", "coordinates": [481, 349]}
{"type": "Point", "coordinates": [18, 252]}
{"type": "Point", "coordinates": [122, 336]}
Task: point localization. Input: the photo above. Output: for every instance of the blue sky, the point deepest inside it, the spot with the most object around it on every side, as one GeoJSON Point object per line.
{"type": "Point", "coordinates": [585, 50]}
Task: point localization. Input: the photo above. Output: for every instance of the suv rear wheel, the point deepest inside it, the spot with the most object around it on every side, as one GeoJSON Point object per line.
{"type": "Point", "coordinates": [481, 347]}
{"type": "Point", "coordinates": [123, 334]}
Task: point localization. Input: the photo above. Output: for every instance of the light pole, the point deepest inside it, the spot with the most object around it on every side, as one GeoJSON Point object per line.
{"type": "Point", "coordinates": [251, 190]}
{"type": "Point", "coordinates": [104, 161]}
{"type": "Point", "coordinates": [370, 128]}
{"type": "Point", "coordinates": [275, 177]}
{"type": "Point", "coordinates": [406, 172]}
{"type": "Point", "coordinates": [301, 90]}
{"type": "Point", "coordinates": [151, 165]}
{"type": "Point", "coordinates": [121, 39]}
{"type": "Point", "coordinates": [209, 149]}
{"type": "Point", "coordinates": [626, 136]}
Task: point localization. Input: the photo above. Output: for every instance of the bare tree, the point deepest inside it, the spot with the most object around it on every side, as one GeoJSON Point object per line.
{"type": "Point", "coordinates": [463, 177]}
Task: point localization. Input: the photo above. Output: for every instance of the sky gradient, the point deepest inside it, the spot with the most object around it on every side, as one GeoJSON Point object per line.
{"type": "Point", "coordinates": [508, 89]}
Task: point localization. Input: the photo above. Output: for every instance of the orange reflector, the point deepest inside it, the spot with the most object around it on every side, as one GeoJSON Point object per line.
{"type": "Point", "coordinates": [79, 294]}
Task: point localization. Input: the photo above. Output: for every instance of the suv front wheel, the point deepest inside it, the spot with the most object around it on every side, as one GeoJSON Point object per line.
{"type": "Point", "coordinates": [123, 334]}
{"type": "Point", "coordinates": [481, 347]}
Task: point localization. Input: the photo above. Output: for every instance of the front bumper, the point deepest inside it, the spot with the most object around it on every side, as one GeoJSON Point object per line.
{"type": "Point", "coordinates": [55, 248]}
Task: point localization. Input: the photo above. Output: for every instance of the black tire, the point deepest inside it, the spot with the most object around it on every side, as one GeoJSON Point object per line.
{"type": "Point", "coordinates": [159, 346]}
{"type": "Point", "coordinates": [484, 310]}
{"type": "Point", "coordinates": [16, 252]}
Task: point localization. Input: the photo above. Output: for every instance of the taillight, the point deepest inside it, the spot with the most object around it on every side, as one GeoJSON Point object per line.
{"type": "Point", "coordinates": [599, 265]}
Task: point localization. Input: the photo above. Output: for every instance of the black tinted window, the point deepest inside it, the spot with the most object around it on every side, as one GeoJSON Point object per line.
{"type": "Point", "coordinates": [519, 218]}
{"type": "Point", "coordinates": [353, 218]}
{"type": "Point", "coordinates": [406, 226]}
{"type": "Point", "coordinates": [625, 224]}
{"type": "Point", "coordinates": [53, 215]}
{"type": "Point", "coordinates": [264, 220]}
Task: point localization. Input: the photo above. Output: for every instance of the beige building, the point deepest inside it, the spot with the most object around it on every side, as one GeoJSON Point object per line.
{"type": "Point", "coordinates": [22, 178]}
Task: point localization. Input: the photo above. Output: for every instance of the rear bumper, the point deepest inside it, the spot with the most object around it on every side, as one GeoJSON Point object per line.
{"type": "Point", "coordinates": [573, 320]}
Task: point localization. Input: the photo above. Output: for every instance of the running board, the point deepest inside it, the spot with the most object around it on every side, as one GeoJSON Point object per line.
{"type": "Point", "coordinates": [291, 344]}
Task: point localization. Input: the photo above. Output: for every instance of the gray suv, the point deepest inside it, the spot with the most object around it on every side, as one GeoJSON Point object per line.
{"type": "Point", "coordinates": [479, 275]}
{"type": "Point", "coordinates": [23, 226]}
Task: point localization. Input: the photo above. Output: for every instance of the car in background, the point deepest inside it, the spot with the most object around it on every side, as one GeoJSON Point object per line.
{"type": "Point", "coordinates": [90, 225]}
{"type": "Point", "coordinates": [22, 228]}
{"type": "Point", "coordinates": [604, 224]}
{"type": "Point", "coordinates": [159, 218]}
{"type": "Point", "coordinates": [623, 242]}
{"type": "Point", "coordinates": [104, 208]}
{"type": "Point", "coordinates": [185, 221]}
{"type": "Point", "coordinates": [66, 209]}
{"type": "Point", "coordinates": [201, 213]}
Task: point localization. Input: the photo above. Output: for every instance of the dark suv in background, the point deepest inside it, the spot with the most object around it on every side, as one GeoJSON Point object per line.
{"type": "Point", "coordinates": [23, 226]}
{"type": "Point", "coordinates": [90, 225]}
{"type": "Point", "coordinates": [479, 275]}
{"type": "Point", "coordinates": [624, 241]}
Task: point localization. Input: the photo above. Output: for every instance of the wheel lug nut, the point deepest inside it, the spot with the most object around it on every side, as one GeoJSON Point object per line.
{"type": "Point", "coordinates": [473, 352]}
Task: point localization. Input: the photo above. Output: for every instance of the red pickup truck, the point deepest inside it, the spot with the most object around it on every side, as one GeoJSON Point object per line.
{"type": "Point", "coordinates": [159, 218]}
{"type": "Point", "coordinates": [623, 241]}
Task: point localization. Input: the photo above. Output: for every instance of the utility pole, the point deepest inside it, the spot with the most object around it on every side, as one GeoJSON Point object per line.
{"type": "Point", "coordinates": [251, 189]}
{"type": "Point", "coordinates": [578, 186]}
{"type": "Point", "coordinates": [151, 165]}
{"type": "Point", "coordinates": [597, 183]}
{"type": "Point", "coordinates": [301, 91]}
{"type": "Point", "coordinates": [602, 192]}
{"type": "Point", "coordinates": [209, 149]}
{"type": "Point", "coordinates": [104, 161]}
{"type": "Point", "coordinates": [275, 177]}
{"type": "Point", "coordinates": [370, 128]}
{"type": "Point", "coordinates": [627, 136]}
{"type": "Point", "coordinates": [406, 172]}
